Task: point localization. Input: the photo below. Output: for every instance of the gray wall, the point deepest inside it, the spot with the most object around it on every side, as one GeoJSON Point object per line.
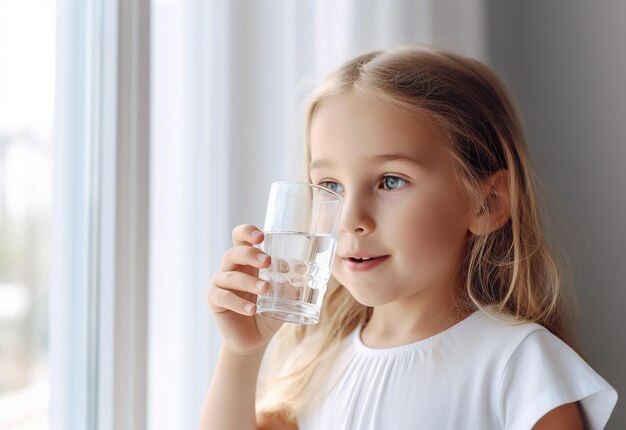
{"type": "Point", "coordinates": [565, 62]}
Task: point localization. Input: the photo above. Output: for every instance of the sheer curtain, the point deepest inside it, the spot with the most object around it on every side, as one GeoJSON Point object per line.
{"type": "Point", "coordinates": [229, 81]}
{"type": "Point", "coordinates": [83, 211]}
{"type": "Point", "coordinates": [100, 244]}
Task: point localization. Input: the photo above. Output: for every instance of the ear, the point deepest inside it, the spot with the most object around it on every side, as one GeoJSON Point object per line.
{"type": "Point", "coordinates": [495, 210]}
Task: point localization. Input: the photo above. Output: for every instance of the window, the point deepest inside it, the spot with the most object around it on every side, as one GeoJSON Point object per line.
{"type": "Point", "coordinates": [27, 70]}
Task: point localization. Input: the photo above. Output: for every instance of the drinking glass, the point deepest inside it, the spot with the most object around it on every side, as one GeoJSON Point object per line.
{"type": "Point", "coordinates": [301, 227]}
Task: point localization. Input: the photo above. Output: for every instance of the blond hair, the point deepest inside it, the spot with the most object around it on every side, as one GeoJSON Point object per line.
{"type": "Point", "coordinates": [510, 269]}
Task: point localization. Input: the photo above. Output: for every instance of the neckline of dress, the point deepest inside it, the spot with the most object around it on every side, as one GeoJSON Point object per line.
{"type": "Point", "coordinates": [412, 346]}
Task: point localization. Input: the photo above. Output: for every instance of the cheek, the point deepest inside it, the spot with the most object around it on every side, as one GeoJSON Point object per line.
{"type": "Point", "coordinates": [434, 235]}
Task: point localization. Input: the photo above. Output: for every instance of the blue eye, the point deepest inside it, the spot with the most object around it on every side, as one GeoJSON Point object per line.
{"type": "Point", "coordinates": [332, 186]}
{"type": "Point", "coordinates": [393, 183]}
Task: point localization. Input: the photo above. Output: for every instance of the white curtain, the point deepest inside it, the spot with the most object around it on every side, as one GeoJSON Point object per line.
{"type": "Point", "coordinates": [228, 85]}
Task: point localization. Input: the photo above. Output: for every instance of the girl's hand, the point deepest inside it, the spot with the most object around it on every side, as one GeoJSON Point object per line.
{"type": "Point", "coordinates": [233, 292]}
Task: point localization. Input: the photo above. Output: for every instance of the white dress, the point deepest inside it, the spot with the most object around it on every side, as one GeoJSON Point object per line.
{"type": "Point", "coordinates": [479, 374]}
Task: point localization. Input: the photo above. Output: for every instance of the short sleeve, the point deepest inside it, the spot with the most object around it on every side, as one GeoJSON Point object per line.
{"type": "Point", "coordinates": [544, 373]}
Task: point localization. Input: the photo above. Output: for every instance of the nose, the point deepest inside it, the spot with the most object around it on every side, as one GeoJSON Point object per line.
{"type": "Point", "coordinates": [357, 216]}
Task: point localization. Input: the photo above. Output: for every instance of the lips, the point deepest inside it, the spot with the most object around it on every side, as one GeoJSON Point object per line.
{"type": "Point", "coordinates": [359, 263]}
{"type": "Point", "coordinates": [361, 259]}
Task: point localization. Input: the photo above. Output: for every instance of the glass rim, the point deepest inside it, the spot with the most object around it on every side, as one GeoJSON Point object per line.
{"type": "Point", "coordinates": [332, 193]}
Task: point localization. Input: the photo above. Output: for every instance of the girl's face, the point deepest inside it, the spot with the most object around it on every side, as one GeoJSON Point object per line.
{"type": "Point", "coordinates": [403, 213]}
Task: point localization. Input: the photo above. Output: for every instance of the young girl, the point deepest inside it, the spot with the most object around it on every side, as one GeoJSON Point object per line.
{"type": "Point", "coordinates": [445, 309]}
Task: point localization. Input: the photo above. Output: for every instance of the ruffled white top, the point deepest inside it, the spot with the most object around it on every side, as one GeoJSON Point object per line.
{"type": "Point", "coordinates": [482, 373]}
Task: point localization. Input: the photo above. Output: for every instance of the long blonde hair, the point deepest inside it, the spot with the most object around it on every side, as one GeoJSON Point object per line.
{"type": "Point", "coordinates": [510, 269]}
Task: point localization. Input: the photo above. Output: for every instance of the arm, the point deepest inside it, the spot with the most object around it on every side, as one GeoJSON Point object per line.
{"type": "Point", "coordinates": [565, 417]}
{"type": "Point", "coordinates": [230, 400]}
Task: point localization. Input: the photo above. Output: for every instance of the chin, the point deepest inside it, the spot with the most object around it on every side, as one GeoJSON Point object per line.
{"type": "Point", "coordinates": [366, 296]}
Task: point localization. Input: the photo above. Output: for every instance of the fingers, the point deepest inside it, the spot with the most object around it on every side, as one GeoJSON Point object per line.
{"type": "Point", "coordinates": [223, 294]}
{"type": "Point", "coordinates": [247, 234]}
{"type": "Point", "coordinates": [244, 256]}
{"type": "Point", "coordinates": [236, 282]}
{"type": "Point", "coordinates": [223, 300]}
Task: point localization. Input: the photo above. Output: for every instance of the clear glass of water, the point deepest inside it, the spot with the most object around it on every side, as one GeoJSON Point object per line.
{"type": "Point", "coordinates": [301, 227]}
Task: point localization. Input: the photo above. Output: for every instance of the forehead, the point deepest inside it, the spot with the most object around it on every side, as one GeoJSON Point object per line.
{"type": "Point", "coordinates": [356, 127]}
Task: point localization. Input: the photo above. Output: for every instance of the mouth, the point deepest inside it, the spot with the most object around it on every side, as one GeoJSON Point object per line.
{"type": "Point", "coordinates": [358, 264]}
{"type": "Point", "coordinates": [361, 259]}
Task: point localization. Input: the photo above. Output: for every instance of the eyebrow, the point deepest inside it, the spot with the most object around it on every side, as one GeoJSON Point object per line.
{"type": "Point", "coordinates": [383, 158]}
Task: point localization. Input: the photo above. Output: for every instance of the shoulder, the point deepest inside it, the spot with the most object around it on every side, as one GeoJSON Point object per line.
{"type": "Point", "coordinates": [493, 335]}
{"type": "Point", "coordinates": [542, 373]}
{"type": "Point", "coordinates": [528, 370]}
